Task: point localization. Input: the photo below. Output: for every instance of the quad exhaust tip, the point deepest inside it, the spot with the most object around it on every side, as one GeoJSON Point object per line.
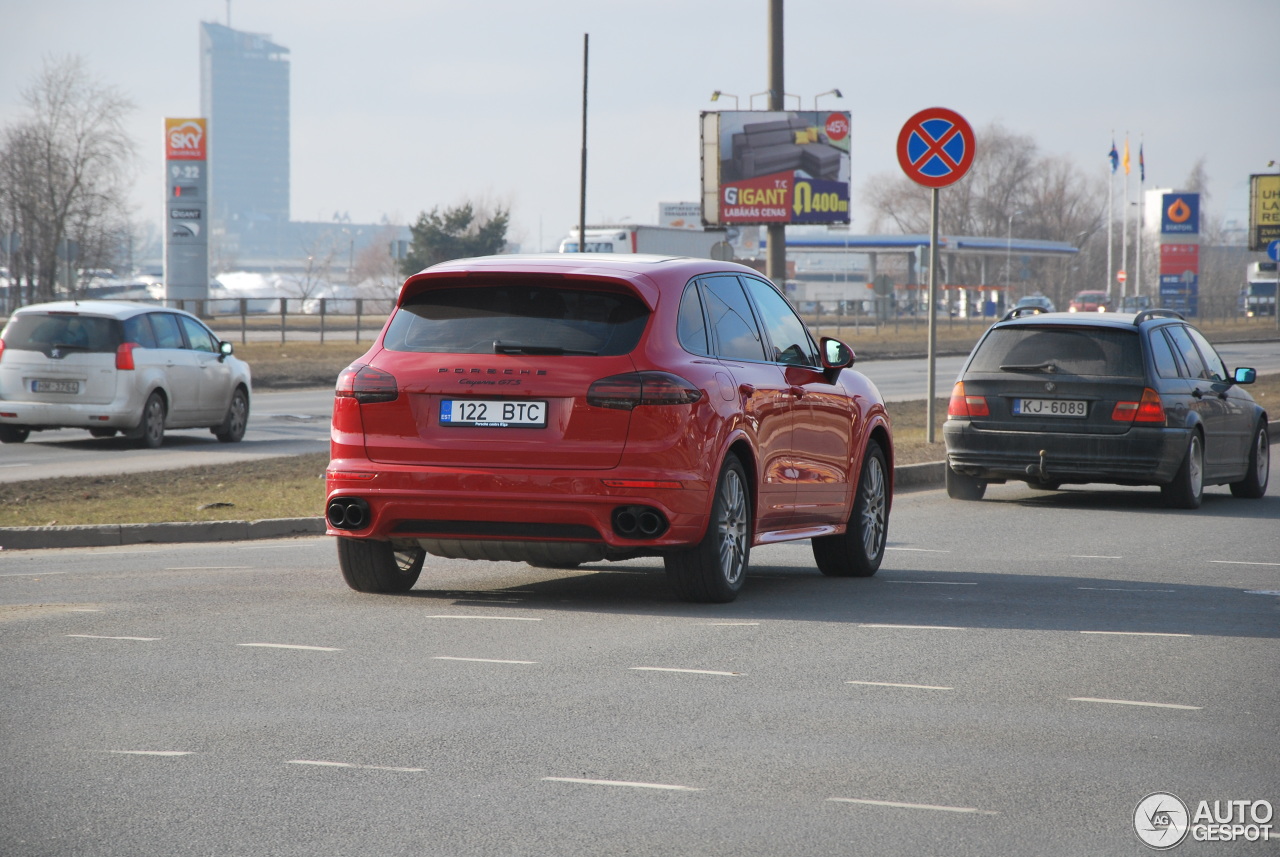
{"type": "Point", "coordinates": [348, 513]}
{"type": "Point", "coordinates": [639, 522]}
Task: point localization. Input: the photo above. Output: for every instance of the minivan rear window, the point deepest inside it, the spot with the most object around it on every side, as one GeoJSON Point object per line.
{"type": "Point", "coordinates": [515, 319]}
{"type": "Point", "coordinates": [66, 331]}
{"type": "Point", "coordinates": [1060, 350]}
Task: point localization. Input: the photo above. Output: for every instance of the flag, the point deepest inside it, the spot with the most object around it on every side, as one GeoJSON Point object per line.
{"type": "Point", "coordinates": [1114, 156]}
{"type": "Point", "coordinates": [1142, 165]}
{"type": "Point", "coordinates": [1126, 156]}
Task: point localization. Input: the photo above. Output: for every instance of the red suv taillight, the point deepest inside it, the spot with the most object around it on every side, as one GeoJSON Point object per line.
{"type": "Point", "coordinates": [966, 406]}
{"type": "Point", "coordinates": [1149, 410]}
{"type": "Point", "coordinates": [632, 389]}
{"type": "Point", "coordinates": [366, 385]}
{"type": "Point", "coordinates": [124, 355]}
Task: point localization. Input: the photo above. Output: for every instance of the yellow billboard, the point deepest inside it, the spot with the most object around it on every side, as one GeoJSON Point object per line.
{"type": "Point", "coordinates": [1264, 210]}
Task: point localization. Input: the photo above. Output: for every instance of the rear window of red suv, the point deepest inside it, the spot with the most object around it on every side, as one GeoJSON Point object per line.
{"type": "Point", "coordinates": [517, 319]}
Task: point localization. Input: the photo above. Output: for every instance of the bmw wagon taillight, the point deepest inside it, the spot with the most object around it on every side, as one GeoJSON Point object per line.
{"type": "Point", "coordinates": [366, 385]}
{"type": "Point", "coordinates": [1149, 410]}
{"type": "Point", "coordinates": [632, 389]}
{"type": "Point", "coordinates": [124, 355]}
{"type": "Point", "coordinates": [966, 406]}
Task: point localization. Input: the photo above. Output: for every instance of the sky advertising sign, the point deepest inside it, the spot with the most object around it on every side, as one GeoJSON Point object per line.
{"type": "Point", "coordinates": [1180, 214]}
{"type": "Point", "coordinates": [775, 167]}
{"type": "Point", "coordinates": [186, 237]}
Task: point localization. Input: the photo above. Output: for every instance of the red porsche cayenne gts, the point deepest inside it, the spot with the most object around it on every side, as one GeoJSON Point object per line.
{"type": "Point", "coordinates": [568, 409]}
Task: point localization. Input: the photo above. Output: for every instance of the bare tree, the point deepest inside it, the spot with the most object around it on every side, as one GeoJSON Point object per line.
{"type": "Point", "coordinates": [64, 174]}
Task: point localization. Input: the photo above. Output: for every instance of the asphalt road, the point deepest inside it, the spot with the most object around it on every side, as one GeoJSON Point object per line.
{"type": "Point", "coordinates": [297, 421]}
{"type": "Point", "coordinates": [1021, 673]}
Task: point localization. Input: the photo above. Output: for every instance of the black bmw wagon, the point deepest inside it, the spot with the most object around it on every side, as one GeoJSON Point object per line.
{"type": "Point", "coordinates": [1119, 398]}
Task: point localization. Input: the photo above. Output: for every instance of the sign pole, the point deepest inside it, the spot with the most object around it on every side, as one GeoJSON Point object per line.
{"type": "Point", "coordinates": [930, 406]}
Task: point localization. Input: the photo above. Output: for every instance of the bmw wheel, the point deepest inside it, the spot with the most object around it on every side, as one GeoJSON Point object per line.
{"type": "Point", "coordinates": [860, 549]}
{"type": "Point", "coordinates": [716, 569]}
{"type": "Point", "coordinates": [370, 565]}
{"type": "Point", "coordinates": [1254, 484]}
{"type": "Point", "coordinates": [1187, 488]}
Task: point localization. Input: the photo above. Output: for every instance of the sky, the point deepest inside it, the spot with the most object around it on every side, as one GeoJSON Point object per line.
{"type": "Point", "coordinates": [400, 106]}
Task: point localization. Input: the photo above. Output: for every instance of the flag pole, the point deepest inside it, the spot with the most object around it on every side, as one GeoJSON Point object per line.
{"type": "Point", "coordinates": [1111, 208]}
{"type": "Point", "coordinates": [1124, 223]}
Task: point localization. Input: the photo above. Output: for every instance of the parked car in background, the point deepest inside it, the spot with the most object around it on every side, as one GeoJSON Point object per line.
{"type": "Point", "coordinates": [1128, 399]}
{"type": "Point", "coordinates": [118, 366]}
{"type": "Point", "coordinates": [1090, 302]}
{"type": "Point", "coordinates": [1034, 301]}
{"type": "Point", "coordinates": [560, 410]}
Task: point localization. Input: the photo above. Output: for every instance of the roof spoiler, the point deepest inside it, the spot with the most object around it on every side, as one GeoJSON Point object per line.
{"type": "Point", "coordinates": [1147, 314]}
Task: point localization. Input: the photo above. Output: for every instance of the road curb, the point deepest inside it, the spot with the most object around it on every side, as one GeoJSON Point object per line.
{"type": "Point", "coordinates": [909, 477]}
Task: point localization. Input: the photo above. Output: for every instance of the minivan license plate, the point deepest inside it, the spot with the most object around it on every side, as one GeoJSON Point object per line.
{"type": "Point", "coordinates": [47, 385]}
{"type": "Point", "coordinates": [1050, 408]}
{"type": "Point", "coordinates": [493, 413]}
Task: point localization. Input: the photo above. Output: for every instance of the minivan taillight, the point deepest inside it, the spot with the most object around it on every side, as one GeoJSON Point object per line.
{"type": "Point", "coordinates": [124, 355]}
{"type": "Point", "coordinates": [366, 385]}
{"type": "Point", "coordinates": [629, 390]}
{"type": "Point", "coordinates": [966, 406]}
{"type": "Point", "coordinates": [1149, 410]}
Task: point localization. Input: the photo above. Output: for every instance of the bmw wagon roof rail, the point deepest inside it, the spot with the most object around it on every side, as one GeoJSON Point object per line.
{"type": "Point", "coordinates": [1018, 312]}
{"type": "Point", "coordinates": [1148, 314]}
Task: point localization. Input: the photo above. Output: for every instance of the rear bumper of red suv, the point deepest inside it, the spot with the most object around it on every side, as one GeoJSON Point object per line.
{"type": "Point", "coordinates": [444, 503]}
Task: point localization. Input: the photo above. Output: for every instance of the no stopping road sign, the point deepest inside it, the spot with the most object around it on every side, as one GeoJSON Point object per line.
{"type": "Point", "coordinates": [936, 147]}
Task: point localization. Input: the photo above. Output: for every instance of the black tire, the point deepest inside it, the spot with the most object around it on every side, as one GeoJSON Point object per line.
{"type": "Point", "coordinates": [237, 419]}
{"type": "Point", "coordinates": [859, 551]}
{"type": "Point", "coordinates": [1254, 484]}
{"type": "Point", "coordinates": [150, 431]}
{"type": "Point", "coordinates": [369, 565]}
{"type": "Point", "coordinates": [716, 568]}
{"type": "Point", "coordinates": [1187, 488]}
{"type": "Point", "coordinates": [962, 487]}
{"type": "Point", "coordinates": [12, 434]}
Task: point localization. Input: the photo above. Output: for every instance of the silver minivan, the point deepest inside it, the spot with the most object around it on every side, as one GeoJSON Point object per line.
{"type": "Point", "coordinates": [118, 367]}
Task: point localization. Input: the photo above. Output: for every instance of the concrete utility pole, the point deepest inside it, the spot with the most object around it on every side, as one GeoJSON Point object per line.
{"type": "Point", "coordinates": [776, 252]}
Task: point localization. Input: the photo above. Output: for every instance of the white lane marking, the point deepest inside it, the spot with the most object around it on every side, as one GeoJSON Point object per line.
{"type": "Point", "coordinates": [479, 660]}
{"type": "Point", "coordinates": [1240, 562]}
{"type": "Point", "coordinates": [918, 550]}
{"type": "Point", "coordinates": [1115, 589]}
{"type": "Point", "coordinates": [1136, 634]}
{"type": "Point", "coordinates": [677, 670]}
{"type": "Point", "coordinates": [895, 684]}
{"type": "Point", "coordinates": [208, 567]}
{"type": "Point", "coordinates": [1262, 592]}
{"type": "Point", "coordinates": [84, 610]}
{"type": "Point", "coordinates": [727, 624]}
{"type": "Point", "coordinates": [933, 582]}
{"type": "Point", "coordinates": [98, 637]}
{"type": "Point", "coordinates": [494, 618]}
{"type": "Point", "coordinates": [1134, 702]}
{"type": "Point", "coordinates": [627, 783]}
{"type": "Point", "coordinates": [152, 752]}
{"type": "Point", "coordinates": [915, 627]}
{"type": "Point", "coordinates": [32, 573]}
{"type": "Point", "coordinates": [323, 764]}
{"type": "Point", "coordinates": [901, 805]}
{"type": "Point", "coordinates": [1092, 556]}
{"type": "Point", "coordinates": [286, 646]}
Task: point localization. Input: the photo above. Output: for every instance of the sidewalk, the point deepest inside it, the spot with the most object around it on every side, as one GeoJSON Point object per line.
{"type": "Point", "coordinates": [912, 477]}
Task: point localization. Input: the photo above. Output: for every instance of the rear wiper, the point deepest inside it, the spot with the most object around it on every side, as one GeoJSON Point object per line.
{"type": "Point", "coordinates": [1047, 366]}
{"type": "Point", "coordinates": [500, 347]}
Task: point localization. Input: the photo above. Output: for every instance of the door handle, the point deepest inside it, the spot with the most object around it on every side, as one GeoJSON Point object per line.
{"type": "Point", "coordinates": [798, 392]}
{"type": "Point", "coordinates": [1198, 393]}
